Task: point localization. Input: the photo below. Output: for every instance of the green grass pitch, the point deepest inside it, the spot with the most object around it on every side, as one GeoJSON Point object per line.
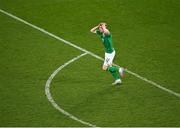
{"type": "Point", "coordinates": [146, 36]}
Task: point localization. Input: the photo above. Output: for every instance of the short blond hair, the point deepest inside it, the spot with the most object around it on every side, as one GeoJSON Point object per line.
{"type": "Point", "coordinates": [100, 24]}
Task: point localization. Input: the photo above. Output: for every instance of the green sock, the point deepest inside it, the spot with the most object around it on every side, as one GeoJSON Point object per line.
{"type": "Point", "coordinates": [114, 71]}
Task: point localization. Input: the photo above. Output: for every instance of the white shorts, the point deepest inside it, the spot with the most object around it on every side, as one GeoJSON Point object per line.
{"type": "Point", "coordinates": [109, 58]}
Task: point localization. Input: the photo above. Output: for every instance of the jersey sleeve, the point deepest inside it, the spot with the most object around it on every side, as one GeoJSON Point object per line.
{"type": "Point", "coordinates": [98, 32]}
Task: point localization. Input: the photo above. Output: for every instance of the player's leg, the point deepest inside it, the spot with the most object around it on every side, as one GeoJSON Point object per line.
{"type": "Point", "coordinates": [108, 60]}
{"type": "Point", "coordinates": [112, 69]}
{"type": "Point", "coordinates": [120, 69]}
{"type": "Point", "coordinates": [114, 72]}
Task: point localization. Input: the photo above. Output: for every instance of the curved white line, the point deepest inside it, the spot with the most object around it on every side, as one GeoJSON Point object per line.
{"type": "Point", "coordinates": [52, 101]}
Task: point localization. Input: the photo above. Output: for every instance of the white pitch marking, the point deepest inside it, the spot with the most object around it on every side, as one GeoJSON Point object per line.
{"type": "Point", "coordinates": [90, 53]}
{"type": "Point", "coordinates": [50, 98]}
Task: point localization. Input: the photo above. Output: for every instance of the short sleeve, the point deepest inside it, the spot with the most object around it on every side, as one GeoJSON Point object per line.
{"type": "Point", "coordinates": [98, 32]}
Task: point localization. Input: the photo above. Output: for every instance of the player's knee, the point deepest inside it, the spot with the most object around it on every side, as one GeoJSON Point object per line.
{"type": "Point", "coordinates": [104, 68]}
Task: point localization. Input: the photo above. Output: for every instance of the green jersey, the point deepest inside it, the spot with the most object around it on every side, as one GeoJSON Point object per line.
{"type": "Point", "coordinates": [107, 41]}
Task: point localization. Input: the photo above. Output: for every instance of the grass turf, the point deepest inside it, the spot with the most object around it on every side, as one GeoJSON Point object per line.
{"type": "Point", "coordinates": [145, 35]}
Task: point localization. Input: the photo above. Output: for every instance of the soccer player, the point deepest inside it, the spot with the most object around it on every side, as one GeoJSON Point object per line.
{"type": "Point", "coordinates": [106, 38]}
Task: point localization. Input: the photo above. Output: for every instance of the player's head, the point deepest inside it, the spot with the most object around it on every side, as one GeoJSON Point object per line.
{"type": "Point", "coordinates": [101, 26]}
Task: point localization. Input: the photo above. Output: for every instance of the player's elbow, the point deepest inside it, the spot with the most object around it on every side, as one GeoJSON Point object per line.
{"type": "Point", "coordinates": [92, 31]}
{"type": "Point", "coordinates": [106, 31]}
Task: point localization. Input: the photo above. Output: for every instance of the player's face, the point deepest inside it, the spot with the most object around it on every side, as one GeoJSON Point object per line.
{"type": "Point", "coordinates": [104, 25]}
{"type": "Point", "coordinates": [101, 29]}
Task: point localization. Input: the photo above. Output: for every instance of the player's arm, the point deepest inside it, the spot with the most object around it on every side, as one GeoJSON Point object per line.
{"type": "Point", "coordinates": [93, 30]}
{"type": "Point", "coordinates": [106, 32]}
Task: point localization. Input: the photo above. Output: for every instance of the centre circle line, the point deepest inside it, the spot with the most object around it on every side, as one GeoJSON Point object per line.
{"type": "Point", "coordinates": [53, 102]}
